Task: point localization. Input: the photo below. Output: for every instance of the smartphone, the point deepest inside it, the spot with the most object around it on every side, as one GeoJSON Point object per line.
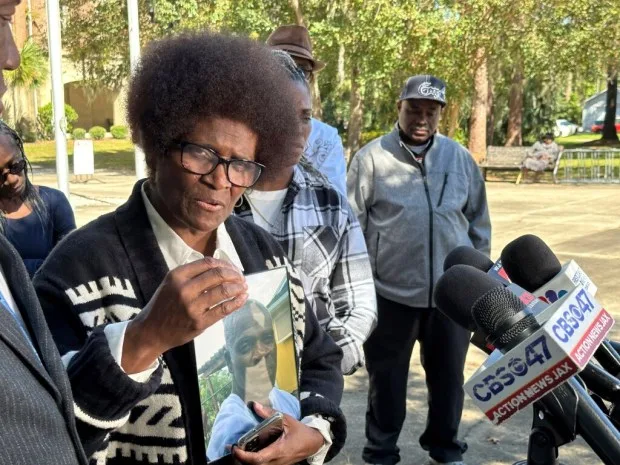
{"type": "Point", "coordinates": [262, 434]}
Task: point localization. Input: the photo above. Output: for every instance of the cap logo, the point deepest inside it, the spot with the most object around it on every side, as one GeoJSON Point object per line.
{"type": "Point", "coordinates": [427, 90]}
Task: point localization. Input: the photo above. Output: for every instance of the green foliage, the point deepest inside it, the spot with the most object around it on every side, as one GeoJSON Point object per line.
{"type": "Point", "coordinates": [369, 136]}
{"type": "Point", "coordinates": [119, 132]}
{"type": "Point", "coordinates": [97, 132]}
{"type": "Point", "coordinates": [373, 45]}
{"type": "Point", "coordinates": [45, 125]}
{"type": "Point", "coordinates": [79, 133]}
{"type": "Point", "coordinates": [213, 391]}
{"type": "Point", "coordinates": [32, 70]}
{"type": "Point", "coordinates": [26, 129]}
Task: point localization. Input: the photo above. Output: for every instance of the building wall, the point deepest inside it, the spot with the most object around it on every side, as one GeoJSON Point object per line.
{"type": "Point", "coordinates": [103, 109]}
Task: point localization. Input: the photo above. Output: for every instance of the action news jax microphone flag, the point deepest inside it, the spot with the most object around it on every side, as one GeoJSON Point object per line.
{"type": "Point", "coordinates": [536, 363]}
{"type": "Point", "coordinates": [570, 330]}
{"type": "Point", "coordinates": [531, 264]}
{"type": "Point", "coordinates": [559, 349]}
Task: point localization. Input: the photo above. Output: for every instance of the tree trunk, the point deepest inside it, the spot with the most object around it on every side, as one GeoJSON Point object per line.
{"type": "Point", "coordinates": [515, 109]}
{"type": "Point", "coordinates": [317, 109]}
{"type": "Point", "coordinates": [490, 113]}
{"type": "Point", "coordinates": [569, 87]}
{"type": "Point", "coordinates": [341, 72]}
{"type": "Point", "coordinates": [299, 17]}
{"type": "Point", "coordinates": [609, 127]}
{"type": "Point", "coordinates": [478, 120]}
{"type": "Point", "coordinates": [354, 131]}
{"type": "Point", "coordinates": [453, 119]}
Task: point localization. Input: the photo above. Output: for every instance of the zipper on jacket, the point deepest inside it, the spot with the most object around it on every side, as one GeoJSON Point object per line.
{"type": "Point", "coordinates": [430, 238]}
{"type": "Point", "coordinates": [376, 256]}
{"type": "Point", "coordinates": [443, 189]}
{"type": "Point", "coordinates": [430, 218]}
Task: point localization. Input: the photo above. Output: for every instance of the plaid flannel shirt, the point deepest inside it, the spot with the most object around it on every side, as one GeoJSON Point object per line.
{"type": "Point", "coordinates": [323, 239]}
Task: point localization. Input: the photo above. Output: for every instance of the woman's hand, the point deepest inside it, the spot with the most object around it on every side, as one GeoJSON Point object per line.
{"type": "Point", "coordinates": [296, 443]}
{"type": "Point", "coordinates": [191, 298]}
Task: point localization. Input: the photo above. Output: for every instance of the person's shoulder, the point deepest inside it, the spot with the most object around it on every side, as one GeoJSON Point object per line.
{"type": "Point", "coordinates": [96, 237]}
{"type": "Point", "coordinates": [376, 145]}
{"type": "Point", "coordinates": [445, 143]}
{"type": "Point", "coordinates": [51, 195]}
{"type": "Point", "coordinates": [320, 185]}
{"type": "Point", "coordinates": [247, 230]}
{"type": "Point", "coordinates": [324, 128]}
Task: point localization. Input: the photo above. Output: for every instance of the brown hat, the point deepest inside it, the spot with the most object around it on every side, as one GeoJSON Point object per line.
{"type": "Point", "coordinates": [295, 40]}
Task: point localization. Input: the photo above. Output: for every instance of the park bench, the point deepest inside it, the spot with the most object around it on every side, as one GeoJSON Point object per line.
{"type": "Point", "coordinates": [507, 159]}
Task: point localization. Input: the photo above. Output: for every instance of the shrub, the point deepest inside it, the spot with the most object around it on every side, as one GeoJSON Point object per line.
{"type": "Point", "coordinates": [79, 133]}
{"type": "Point", "coordinates": [97, 132]}
{"type": "Point", "coordinates": [26, 129]}
{"type": "Point", "coordinates": [370, 135]}
{"type": "Point", "coordinates": [119, 132]}
{"type": "Point", "coordinates": [44, 123]}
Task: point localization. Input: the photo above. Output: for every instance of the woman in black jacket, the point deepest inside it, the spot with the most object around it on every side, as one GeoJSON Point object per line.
{"type": "Point", "coordinates": [126, 294]}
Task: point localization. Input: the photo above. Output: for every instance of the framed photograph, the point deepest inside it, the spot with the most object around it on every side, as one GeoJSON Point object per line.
{"type": "Point", "coordinates": [248, 356]}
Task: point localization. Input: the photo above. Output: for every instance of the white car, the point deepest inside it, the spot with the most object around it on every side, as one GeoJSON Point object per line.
{"type": "Point", "coordinates": [564, 128]}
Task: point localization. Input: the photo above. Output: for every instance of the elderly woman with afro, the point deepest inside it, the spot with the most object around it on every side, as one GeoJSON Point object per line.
{"type": "Point", "coordinates": [125, 295]}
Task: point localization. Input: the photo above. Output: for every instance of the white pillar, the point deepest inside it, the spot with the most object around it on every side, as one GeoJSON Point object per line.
{"type": "Point", "coordinates": [134, 56]}
{"type": "Point", "coordinates": [58, 95]}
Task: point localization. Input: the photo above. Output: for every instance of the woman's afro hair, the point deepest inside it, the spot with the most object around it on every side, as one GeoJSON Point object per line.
{"type": "Point", "coordinates": [193, 77]}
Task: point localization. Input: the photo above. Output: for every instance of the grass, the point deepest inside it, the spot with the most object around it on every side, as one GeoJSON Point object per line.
{"type": "Point", "coordinates": [118, 155]}
{"type": "Point", "coordinates": [586, 139]}
{"type": "Point", "coordinates": [110, 155]}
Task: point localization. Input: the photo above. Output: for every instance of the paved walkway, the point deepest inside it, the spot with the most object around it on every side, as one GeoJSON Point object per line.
{"type": "Point", "coordinates": [580, 222]}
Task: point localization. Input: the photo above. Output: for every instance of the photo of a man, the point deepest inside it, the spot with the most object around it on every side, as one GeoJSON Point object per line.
{"type": "Point", "coordinates": [251, 357]}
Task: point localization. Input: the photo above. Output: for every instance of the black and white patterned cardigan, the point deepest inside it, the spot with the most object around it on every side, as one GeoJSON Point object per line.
{"type": "Point", "coordinates": [106, 272]}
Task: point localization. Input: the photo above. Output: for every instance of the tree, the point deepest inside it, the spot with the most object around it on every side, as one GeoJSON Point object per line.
{"type": "Point", "coordinates": [31, 73]}
{"type": "Point", "coordinates": [609, 126]}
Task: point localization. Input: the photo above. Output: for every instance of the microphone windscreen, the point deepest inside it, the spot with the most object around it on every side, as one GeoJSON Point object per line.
{"type": "Point", "coordinates": [529, 262]}
{"type": "Point", "coordinates": [465, 255]}
{"type": "Point", "coordinates": [496, 306]}
{"type": "Point", "coordinates": [457, 290]}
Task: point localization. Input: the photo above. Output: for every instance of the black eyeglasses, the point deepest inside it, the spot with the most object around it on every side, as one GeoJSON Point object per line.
{"type": "Point", "coordinates": [204, 160]}
{"type": "Point", "coordinates": [15, 168]}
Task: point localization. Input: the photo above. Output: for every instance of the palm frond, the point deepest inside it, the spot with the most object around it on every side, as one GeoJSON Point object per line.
{"type": "Point", "coordinates": [33, 69]}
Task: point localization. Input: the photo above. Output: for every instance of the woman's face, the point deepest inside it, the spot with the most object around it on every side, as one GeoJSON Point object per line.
{"type": "Point", "coordinates": [197, 202]}
{"type": "Point", "coordinates": [13, 184]}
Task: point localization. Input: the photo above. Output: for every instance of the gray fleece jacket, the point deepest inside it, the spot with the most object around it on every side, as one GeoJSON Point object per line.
{"type": "Point", "coordinates": [413, 214]}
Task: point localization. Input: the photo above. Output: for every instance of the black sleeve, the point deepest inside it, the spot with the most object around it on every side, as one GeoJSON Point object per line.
{"type": "Point", "coordinates": [103, 394]}
{"type": "Point", "coordinates": [322, 381]}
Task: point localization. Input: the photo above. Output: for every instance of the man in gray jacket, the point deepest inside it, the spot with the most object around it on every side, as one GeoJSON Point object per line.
{"type": "Point", "coordinates": [417, 195]}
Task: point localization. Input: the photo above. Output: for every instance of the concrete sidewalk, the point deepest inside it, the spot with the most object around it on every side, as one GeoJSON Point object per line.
{"type": "Point", "coordinates": [580, 222]}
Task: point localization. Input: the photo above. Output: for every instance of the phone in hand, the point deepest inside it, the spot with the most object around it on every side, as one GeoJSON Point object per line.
{"type": "Point", "coordinates": [262, 434]}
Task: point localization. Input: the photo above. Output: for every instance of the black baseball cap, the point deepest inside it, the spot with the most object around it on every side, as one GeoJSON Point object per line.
{"type": "Point", "coordinates": [426, 87]}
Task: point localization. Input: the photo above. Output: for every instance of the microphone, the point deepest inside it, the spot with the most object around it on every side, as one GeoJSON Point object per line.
{"type": "Point", "coordinates": [465, 255]}
{"type": "Point", "coordinates": [468, 295]}
{"type": "Point", "coordinates": [531, 264]}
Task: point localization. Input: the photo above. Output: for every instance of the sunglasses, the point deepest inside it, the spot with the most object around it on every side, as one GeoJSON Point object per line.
{"type": "Point", "coordinates": [17, 167]}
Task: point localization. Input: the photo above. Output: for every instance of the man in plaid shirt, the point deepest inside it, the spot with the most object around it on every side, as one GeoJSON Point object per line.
{"type": "Point", "coordinates": [322, 237]}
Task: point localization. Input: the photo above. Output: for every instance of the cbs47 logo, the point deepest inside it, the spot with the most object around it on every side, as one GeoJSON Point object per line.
{"type": "Point", "coordinates": [537, 352]}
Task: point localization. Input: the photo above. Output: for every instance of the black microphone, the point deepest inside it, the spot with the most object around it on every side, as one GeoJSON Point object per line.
{"type": "Point", "coordinates": [597, 380]}
{"type": "Point", "coordinates": [465, 255]}
{"type": "Point", "coordinates": [531, 264]}
{"type": "Point", "coordinates": [468, 295]}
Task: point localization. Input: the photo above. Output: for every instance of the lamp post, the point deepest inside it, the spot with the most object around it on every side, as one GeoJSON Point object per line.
{"type": "Point", "coordinates": [58, 95]}
{"type": "Point", "coordinates": [134, 56]}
